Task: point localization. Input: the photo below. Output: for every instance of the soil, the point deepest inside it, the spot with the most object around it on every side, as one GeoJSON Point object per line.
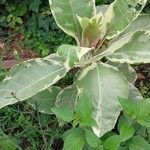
{"type": "Point", "coordinates": [14, 52]}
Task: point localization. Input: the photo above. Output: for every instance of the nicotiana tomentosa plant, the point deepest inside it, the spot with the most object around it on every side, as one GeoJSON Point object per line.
{"type": "Point", "coordinates": [109, 39]}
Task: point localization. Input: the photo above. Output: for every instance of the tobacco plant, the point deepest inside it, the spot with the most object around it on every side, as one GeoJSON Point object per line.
{"type": "Point", "coordinates": [109, 39]}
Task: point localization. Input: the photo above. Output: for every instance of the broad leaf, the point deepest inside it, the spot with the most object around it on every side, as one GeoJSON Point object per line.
{"type": "Point", "coordinates": [84, 111]}
{"type": "Point", "coordinates": [113, 46]}
{"type": "Point", "coordinates": [65, 13]}
{"type": "Point", "coordinates": [72, 54]}
{"type": "Point", "coordinates": [74, 140]}
{"type": "Point", "coordinates": [103, 84]}
{"type": "Point", "coordinates": [126, 69]}
{"type": "Point", "coordinates": [102, 9]}
{"type": "Point", "coordinates": [45, 100]}
{"type": "Point", "coordinates": [121, 14]}
{"type": "Point", "coordinates": [141, 23]}
{"type": "Point", "coordinates": [134, 93]}
{"type": "Point", "coordinates": [136, 51]}
{"type": "Point", "coordinates": [29, 78]}
{"type": "Point", "coordinates": [68, 98]}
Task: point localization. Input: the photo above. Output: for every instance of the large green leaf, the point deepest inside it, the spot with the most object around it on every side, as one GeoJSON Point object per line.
{"type": "Point", "coordinates": [141, 23]}
{"type": "Point", "coordinates": [121, 14]}
{"type": "Point", "coordinates": [103, 84]}
{"type": "Point", "coordinates": [65, 13]}
{"type": "Point", "coordinates": [45, 100]}
{"type": "Point", "coordinates": [29, 78]}
{"type": "Point", "coordinates": [135, 51]}
{"type": "Point", "coordinates": [126, 69]}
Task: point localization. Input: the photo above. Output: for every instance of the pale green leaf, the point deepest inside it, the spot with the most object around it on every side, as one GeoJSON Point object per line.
{"type": "Point", "coordinates": [65, 12]}
{"type": "Point", "coordinates": [72, 54]}
{"type": "Point", "coordinates": [113, 46]}
{"type": "Point", "coordinates": [141, 23]}
{"type": "Point", "coordinates": [134, 93]}
{"type": "Point", "coordinates": [135, 51]}
{"type": "Point", "coordinates": [45, 100]}
{"type": "Point", "coordinates": [103, 84]}
{"type": "Point", "coordinates": [102, 8]}
{"type": "Point", "coordinates": [126, 69]}
{"type": "Point", "coordinates": [29, 78]}
{"type": "Point", "coordinates": [121, 14]}
{"type": "Point", "coordinates": [68, 98]}
{"type": "Point", "coordinates": [75, 140]}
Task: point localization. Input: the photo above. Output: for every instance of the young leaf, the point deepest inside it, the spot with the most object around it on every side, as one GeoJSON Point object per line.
{"type": "Point", "coordinates": [65, 12]}
{"type": "Point", "coordinates": [121, 14]}
{"type": "Point", "coordinates": [29, 78]}
{"type": "Point", "coordinates": [91, 37]}
{"type": "Point", "coordinates": [92, 139]}
{"type": "Point", "coordinates": [72, 54]}
{"type": "Point", "coordinates": [129, 107]}
{"type": "Point", "coordinates": [126, 132]}
{"type": "Point", "coordinates": [135, 51]}
{"type": "Point", "coordinates": [112, 143]}
{"type": "Point", "coordinates": [45, 100]}
{"type": "Point", "coordinates": [63, 113]}
{"type": "Point", "coordinates": [103, 84]}
{"type": "Point", "coordinates": [74, 140]}
{"type": "Point", "coordinates": [84, 111]}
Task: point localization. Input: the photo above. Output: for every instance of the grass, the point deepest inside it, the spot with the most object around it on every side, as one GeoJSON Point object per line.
{"type": "Point", "coordinates": [28, 128]}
